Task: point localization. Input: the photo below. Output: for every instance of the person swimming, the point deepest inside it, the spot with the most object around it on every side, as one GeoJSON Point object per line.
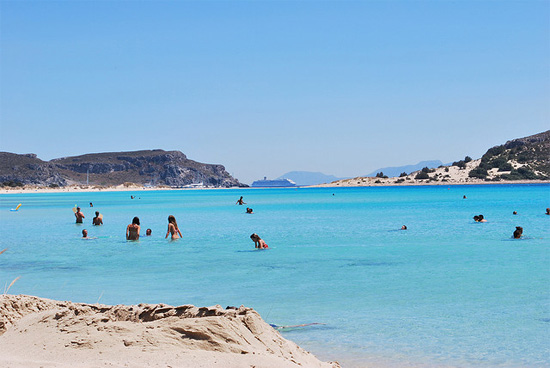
{"type": "Point", "coordinates": [258, 242]}
{"type": "Point", "coordinates": [84, 234]}
{"type": "Point", "coordinates": [79, 216]}
{"type": "Point", "coordinates": [514, 213]}
{"type": "Point", "coordinates": [132, 230]}
{"type": "Point", "coordinates": [479, 218]}
{"type": "Point", "coordinates": [91, 204]}
{"type": "Point", "coordinates": [97, 220]}
{"type": "Point", "coordinates": [548, 211]}
{"type": "Point", "coordinates": [249, 210]}
{"type": "Point", "coordinates": [148, 232]}
{"type": "Point", "coordinates": [240, 201]}
{"type": "Point", "coordinates": [404, 227]}
{"type": "Point", "coordinates": [173, 228]}
{"type": "Point", "coordinates": [518, 233]}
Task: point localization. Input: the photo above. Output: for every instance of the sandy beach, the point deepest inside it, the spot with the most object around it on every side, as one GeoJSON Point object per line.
{"type": "Point", "coordinates": [37, 332]}
{"type": "Point", "coordinates": [447, 175]}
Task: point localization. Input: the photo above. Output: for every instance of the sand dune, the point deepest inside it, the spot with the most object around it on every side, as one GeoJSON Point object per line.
{"type": "Point", "coordinates": [36, 332]}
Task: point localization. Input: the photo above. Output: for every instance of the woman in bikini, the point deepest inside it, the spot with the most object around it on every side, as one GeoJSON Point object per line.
{"type": "Point", "coordinates": [173, 228]}
{"type": "Point", "coordinates": [258, 242]}
{"type": "Point", "coordinates": [132, 231]}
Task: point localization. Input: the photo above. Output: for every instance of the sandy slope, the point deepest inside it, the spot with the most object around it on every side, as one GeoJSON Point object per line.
{"type": "Point", "coordinates": [36, 332]}
{"type": "Point", "coordinates": [447, 175]}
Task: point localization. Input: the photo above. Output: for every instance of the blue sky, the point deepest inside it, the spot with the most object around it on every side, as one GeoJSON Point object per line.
{"type": "Point", "coordinates": [267, 87]}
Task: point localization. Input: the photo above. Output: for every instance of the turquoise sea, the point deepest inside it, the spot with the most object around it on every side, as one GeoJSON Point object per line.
{"type": "Point", "coordinates": [447, 292]}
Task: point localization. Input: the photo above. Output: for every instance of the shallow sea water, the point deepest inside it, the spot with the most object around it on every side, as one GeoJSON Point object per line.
{"type": "Point", "coordinates": [447, 292]}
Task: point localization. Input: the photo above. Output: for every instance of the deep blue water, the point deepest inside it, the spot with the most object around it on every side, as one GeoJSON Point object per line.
{"type": "Point", "coordinates": [446, 292]}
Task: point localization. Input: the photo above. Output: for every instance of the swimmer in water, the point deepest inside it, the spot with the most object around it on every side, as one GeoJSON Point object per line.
{"type": "Point", "coordinates": [97, 220]}
{"type": "Point", "coordinates": [91, 204]}
{"type": "Point", "coordinates": [240, 201]}
{"type": "Point", "coordinates": [79, 216]}
{"type": "Point", "coordinates": [514, 213]}
{"type": "Point", "coordinates": [404, 227]}
{"type": "Point", "coordinates": [258, 242]}
{"type": "Point", "coordinates": [84, 234]}
{"type": "Point", "coordinates": [479, 218]}
{"type": "Point", "coordinates": [548, 211]}
{"type": "Point", "coordinates": [173, 228]}
{"type": "Point", "coordinates": [463, 197]}
{"type": "Point", "coordinates": [249, 210]}
{"type": "Point", "coordinates": [148, 232]}
{"type": "Point", "coordinates": [132, 230]}
{"type": "Point", "coordinates": [518, 233]}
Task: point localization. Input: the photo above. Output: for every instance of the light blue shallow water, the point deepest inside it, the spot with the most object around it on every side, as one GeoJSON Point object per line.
{"type": "Point", "coordinates": [446, 292]}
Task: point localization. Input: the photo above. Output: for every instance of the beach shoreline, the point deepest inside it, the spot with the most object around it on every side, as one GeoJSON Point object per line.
{"type": "Point", "coordinates": [348, 183]}
{"type": "Point", "coordinates": [39, 332]}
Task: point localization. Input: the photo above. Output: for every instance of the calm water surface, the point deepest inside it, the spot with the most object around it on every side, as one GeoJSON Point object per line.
{"type": "Point", "coordinates": [445, 292]}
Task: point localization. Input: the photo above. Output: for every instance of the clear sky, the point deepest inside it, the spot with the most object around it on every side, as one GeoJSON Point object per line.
{"type": "Point", "coordinates": [267, 87]}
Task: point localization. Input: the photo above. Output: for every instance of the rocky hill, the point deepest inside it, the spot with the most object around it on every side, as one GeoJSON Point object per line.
{"type": "Point", "coordinates": [523, 159]}
{"type": "Point", "coordinates": [151, 167]}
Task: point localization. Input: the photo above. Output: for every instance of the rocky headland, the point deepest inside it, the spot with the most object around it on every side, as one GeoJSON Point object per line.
{"type": "Point", "coordinates": [151, 168]}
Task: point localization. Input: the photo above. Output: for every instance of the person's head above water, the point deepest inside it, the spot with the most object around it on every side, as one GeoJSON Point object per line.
{"type": "Point", "coordinates": [84, 233]}
{"type": "Point", "coordinates": [78, 208]}
{"type": "Point", "coordinates": [548, 211]}
{"type": "Point", "coordinates": [148, 232]}
{"type": "Point", "coordinates": [404, 227]}
{"type": "Point", "coordinates": [254, 236]}
{"type": "Point", "coordinates": [97, 213]}
{"type": "Point", "coordinates": [135, 221]}
{"type": "Point", "coordinates": [172, 220]}
{"type": "Point", "coordinates": [518, 232]}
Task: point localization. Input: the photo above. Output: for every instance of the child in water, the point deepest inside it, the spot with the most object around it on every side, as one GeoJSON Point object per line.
{"type": "Point", "coordinates": [518, 233]}
{"type": "Point", "coordinates": [258, 242]}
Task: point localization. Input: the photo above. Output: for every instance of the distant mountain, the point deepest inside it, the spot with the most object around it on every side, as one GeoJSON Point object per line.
{"type": "Point", "coordinates": [304, 178]}
{"type": "Point", "coordinates": [151, 167]}
{"type": "Point", "coordinates": [397, 170]}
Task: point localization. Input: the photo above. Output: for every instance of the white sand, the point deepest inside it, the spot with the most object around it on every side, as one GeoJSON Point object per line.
{"type": "Point", "coordinates": [448, 175]}
{"type": "Point", "coordinates": [36, 332]}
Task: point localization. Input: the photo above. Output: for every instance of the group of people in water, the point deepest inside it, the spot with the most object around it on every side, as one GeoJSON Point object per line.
{"type": "Point", "coordinates": [240, 202]}
{"type": "Point", "coordinates": [518, 233]}
{"type": "Point", "coordinates": [259, 243]}
{"type": "Point", "coordinates": [133, 229]}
